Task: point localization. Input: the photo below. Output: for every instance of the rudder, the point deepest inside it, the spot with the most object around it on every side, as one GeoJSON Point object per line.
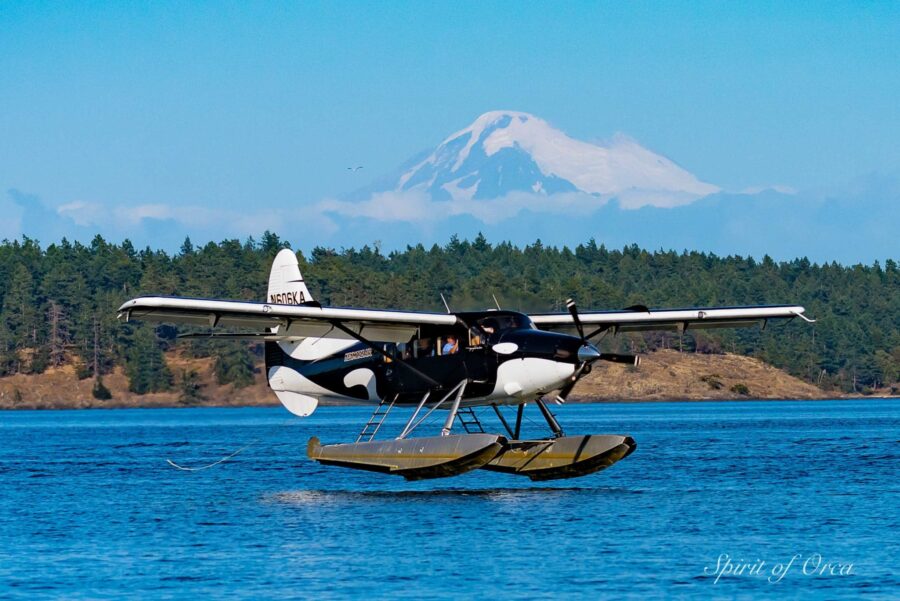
{"type": "Point", "coordinates": [286, 286]}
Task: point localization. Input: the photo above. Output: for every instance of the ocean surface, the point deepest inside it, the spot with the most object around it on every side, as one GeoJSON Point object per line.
{"type": "Point", "coordinates": [804, 495]}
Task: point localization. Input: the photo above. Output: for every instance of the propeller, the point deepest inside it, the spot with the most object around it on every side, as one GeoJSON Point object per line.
{"type": "Point", "coordinates": [565, 390]}
{"type": "Point", "coordinates": [573, 311]}
{"type": "Point", "coordinates": [588, 353]}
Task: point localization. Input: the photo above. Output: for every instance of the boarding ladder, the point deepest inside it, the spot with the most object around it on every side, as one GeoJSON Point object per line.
{"type": "Point", "coordinates": [469, 420]}
{"type": "Point", "coordinates": [376, 419]}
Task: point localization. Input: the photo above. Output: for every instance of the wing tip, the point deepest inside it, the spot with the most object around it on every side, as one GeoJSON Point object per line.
{"type": "Point", "coordinates": [800, 312]}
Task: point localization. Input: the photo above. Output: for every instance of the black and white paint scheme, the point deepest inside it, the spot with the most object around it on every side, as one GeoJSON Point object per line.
{"type": "Point", "coordinates": [452, 361]}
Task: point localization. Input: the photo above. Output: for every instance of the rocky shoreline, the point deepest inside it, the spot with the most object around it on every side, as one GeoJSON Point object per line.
{"type": "Point", "coordinates": [662, 376]}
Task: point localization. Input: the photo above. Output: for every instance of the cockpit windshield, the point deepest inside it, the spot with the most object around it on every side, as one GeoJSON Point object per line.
{"type": "Point", "coordinates": [498, 323]}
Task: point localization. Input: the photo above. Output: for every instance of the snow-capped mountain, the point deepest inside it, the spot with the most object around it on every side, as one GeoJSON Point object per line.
{"type": "Point", "coordinates": [504, 152]}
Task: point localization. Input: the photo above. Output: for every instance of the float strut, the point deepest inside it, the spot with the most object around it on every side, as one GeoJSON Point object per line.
{"type": "Point", "coordinates": [503, 420]}
{"type": "Point", "coordinates": [412, 418]}
{"type": "Point", "coordinates": [551, 420]}
{"type": "Point", "coordinates": [445, 431]}
{"type": "Point", "coordinates": [408, 429]}
{"type": "Point", "coordinates": [519, 411]}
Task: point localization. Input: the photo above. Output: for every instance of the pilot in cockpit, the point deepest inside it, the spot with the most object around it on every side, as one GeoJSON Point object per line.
{"type": "Point", "coordinates": [489, 326]}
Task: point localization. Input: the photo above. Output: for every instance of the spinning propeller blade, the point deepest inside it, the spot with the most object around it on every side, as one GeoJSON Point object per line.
{"type": "Point", "coordinates": [565, 390]}
{"type": "Point", "coordinates": [573, 311]}
{"type": "Point", "coordinates": [587, 354]}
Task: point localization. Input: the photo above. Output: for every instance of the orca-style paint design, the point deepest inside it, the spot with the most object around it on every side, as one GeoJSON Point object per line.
{"type": "Point", "coordinates": [334, 355]}
{"type": "Point", "coordinates": [533, 362]}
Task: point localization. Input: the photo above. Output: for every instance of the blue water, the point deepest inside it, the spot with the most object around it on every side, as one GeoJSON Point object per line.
{"type": "Point", "coordinates": [89, 508]}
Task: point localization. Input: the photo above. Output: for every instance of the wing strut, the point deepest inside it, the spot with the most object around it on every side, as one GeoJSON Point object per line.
{"type": "Point", "coordinates": [599, 330]}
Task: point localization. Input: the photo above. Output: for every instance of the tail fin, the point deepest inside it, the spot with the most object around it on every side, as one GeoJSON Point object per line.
{"type": "Point", "coordinates": [286, 285]}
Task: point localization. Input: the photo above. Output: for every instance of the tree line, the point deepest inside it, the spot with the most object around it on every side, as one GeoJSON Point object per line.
{"type": "Point", "coordinates": [58, 304]}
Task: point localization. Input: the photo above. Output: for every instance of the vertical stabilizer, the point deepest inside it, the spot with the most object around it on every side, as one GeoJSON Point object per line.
{"type": "Point", "coordinates": [286, 285]}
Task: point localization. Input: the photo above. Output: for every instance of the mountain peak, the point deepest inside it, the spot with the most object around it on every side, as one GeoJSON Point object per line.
{"type": "Point", "coordinates": [503, 152]}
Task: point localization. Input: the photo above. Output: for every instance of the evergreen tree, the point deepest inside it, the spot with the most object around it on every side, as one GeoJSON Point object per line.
{"type": "Point", "coordinates": [100, 391]}
{"type": "Point", "coordinates": [191, 392]}
{"type": "Point", "coordinates": [234, 365]}
{"type": "Point", "coordinates": [146, 368]}
{"type": "Point", "coordinates": [58, 304]}
{"type": "Point", "coordinates": [19, 315]}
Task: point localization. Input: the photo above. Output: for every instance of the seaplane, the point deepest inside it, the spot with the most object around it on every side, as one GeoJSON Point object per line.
{"type": "Point", "coordinates": [429, 361]}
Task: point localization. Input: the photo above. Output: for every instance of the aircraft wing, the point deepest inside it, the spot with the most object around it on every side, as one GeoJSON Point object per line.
{"type": "Point", "coordinates": [283, 320]}
{"type": "Point", "coordinates": [641, 319]}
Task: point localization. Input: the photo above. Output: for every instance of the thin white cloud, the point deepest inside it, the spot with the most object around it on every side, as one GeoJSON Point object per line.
{"type": "Point", "coordinates": [328, 216]}
{"type": "Point", "coordinates": [500, 209]}
{"type": "Point", "coordinates": [130, 220]}
{"type": "Point", "coordinates": [416, 207]}
{"type": "Point", "coordinates": [412, 207]}
{"type": "Point", "coordinates": [80, 212]}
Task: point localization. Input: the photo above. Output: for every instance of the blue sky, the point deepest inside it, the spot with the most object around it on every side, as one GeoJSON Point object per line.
{"type": "Point", "coordinates": [249, 106]}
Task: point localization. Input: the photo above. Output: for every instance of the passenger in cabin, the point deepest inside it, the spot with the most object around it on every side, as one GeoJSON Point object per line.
{"type": "Point", "coordinates": [424, 348]}
{"type": "Point", "coordinates": [451, 346]}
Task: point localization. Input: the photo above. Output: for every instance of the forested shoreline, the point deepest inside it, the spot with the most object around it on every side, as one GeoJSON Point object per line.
{"type": "Point", "coordinates": [58, 303]}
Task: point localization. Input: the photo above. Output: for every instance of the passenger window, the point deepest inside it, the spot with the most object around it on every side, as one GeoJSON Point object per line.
{"type": "Point", "coordinates": [424, 348]}
{"type": "Point", "coordinates": [449, 345]}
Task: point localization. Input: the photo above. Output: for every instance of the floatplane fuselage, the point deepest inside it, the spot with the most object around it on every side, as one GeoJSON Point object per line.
{"type": "Point", "coordinates": [450, 361]}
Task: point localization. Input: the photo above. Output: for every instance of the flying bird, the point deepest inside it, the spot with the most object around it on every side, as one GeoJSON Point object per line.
{"type": "Point", "coordinates": [354, 168]}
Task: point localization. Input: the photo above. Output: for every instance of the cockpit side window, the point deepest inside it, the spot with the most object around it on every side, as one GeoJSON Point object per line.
{"type": "Point", "coordinates": [490, 324]}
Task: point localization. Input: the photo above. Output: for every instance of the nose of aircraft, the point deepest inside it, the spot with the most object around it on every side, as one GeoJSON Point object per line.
{"type": "Point", "coordinates": [588, 353]}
